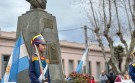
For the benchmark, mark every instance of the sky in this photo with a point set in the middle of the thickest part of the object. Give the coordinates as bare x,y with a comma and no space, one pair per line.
68,16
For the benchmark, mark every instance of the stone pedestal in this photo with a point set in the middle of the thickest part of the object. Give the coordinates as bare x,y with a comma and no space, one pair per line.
38,21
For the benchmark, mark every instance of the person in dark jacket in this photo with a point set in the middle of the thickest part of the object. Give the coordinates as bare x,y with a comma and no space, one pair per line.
38,62
132,68
111,76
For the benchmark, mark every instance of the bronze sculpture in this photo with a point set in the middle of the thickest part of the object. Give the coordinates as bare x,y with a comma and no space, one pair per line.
37,4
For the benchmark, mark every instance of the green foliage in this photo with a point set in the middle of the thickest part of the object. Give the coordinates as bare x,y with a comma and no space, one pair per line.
118,51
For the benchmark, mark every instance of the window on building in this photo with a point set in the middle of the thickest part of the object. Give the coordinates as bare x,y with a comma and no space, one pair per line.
90,67
78,62
71,66
98,67
5,59
63,65
106,67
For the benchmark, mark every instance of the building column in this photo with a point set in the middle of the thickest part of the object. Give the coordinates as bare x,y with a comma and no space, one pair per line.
66,67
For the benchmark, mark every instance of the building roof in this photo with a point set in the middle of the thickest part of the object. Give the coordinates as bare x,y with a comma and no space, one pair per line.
8,35
76,45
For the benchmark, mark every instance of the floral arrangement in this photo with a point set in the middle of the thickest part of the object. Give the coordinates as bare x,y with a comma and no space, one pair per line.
79,78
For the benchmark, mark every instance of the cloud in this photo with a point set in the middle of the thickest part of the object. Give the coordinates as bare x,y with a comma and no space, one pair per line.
10,10
67,16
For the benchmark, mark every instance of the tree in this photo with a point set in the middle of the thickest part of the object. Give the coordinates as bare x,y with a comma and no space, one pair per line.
109,20
106,29
119,54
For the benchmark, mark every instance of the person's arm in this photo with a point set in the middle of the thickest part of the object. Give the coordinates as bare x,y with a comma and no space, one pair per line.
131,73
101,78
32,76
105,78
94,81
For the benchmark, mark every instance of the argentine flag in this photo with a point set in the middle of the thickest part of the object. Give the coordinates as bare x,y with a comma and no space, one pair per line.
82,62
18,62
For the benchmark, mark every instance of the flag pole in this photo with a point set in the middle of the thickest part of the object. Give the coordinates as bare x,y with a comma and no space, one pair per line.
42,73
86,67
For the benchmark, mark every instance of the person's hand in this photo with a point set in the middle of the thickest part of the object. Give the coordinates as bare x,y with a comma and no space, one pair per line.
47,60
45,81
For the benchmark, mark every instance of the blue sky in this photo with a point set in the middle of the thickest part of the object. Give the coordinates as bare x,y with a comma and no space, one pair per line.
68,16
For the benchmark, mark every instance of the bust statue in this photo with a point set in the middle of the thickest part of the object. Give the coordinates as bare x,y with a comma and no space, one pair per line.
37,4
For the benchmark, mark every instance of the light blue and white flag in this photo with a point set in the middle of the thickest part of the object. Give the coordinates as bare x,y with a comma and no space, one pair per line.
82,63
19,61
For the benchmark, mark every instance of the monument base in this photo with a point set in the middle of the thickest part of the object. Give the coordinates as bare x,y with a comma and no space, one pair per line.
38,21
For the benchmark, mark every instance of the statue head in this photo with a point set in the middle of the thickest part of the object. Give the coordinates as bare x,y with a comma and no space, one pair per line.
37,4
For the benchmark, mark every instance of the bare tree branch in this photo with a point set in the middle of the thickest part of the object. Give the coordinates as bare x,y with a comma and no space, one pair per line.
129,25
93,12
